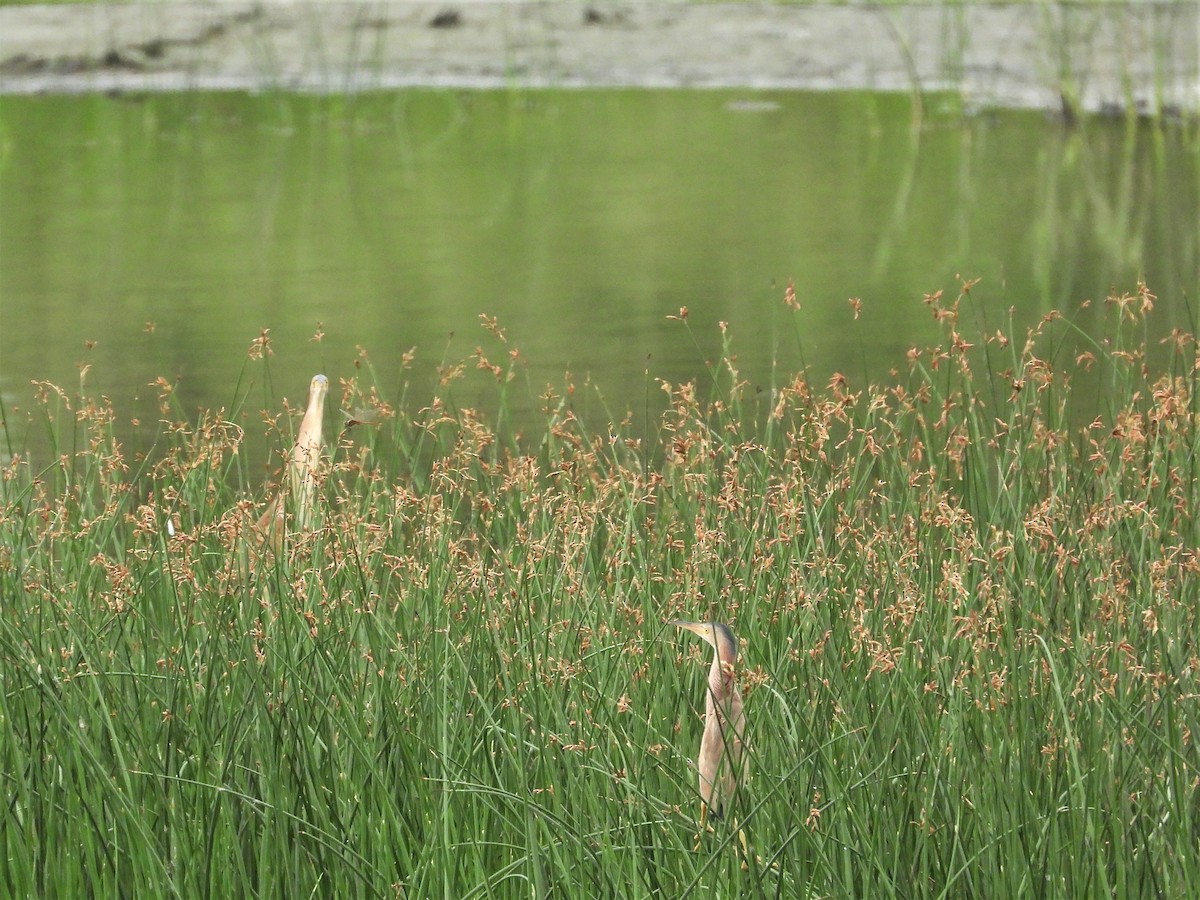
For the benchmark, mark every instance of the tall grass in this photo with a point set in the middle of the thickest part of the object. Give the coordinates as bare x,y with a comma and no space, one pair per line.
969,625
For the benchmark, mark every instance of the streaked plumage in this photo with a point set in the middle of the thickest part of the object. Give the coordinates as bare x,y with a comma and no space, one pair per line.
722,761
303,464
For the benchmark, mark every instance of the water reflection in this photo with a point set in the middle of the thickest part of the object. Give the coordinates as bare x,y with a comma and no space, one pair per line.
171,230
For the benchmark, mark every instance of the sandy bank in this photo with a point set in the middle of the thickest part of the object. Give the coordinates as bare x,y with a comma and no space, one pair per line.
1094,56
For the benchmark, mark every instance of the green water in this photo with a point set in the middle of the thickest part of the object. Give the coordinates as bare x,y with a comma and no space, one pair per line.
580,219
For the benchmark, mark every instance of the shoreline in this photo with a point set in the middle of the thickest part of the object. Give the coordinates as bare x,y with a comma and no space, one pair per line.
1065,58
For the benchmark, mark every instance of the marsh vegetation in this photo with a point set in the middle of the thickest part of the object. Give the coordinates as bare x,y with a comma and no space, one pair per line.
968,618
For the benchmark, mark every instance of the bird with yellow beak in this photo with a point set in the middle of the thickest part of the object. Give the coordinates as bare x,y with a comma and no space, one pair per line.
722,763
303,465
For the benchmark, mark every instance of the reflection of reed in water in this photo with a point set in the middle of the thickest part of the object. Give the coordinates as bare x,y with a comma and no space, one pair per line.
1109,207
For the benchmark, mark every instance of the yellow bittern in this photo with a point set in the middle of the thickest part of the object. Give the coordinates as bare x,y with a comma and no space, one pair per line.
722,763
302,468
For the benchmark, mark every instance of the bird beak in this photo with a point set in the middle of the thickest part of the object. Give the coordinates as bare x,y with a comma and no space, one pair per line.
693,627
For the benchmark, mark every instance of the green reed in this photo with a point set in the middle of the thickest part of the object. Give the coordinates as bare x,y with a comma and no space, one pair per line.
968,610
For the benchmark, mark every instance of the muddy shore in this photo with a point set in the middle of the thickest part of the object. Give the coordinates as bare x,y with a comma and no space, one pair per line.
1090,56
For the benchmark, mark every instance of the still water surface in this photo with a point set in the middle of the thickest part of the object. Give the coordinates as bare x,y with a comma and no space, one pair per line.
171,230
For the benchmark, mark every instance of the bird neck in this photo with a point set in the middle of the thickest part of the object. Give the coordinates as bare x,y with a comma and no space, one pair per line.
720,677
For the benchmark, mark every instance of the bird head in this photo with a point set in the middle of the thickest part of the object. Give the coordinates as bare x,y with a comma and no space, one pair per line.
717,634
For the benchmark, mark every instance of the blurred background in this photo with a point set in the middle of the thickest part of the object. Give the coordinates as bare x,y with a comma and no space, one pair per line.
149,234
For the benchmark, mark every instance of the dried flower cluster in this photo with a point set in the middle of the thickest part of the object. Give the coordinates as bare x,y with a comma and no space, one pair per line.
959,550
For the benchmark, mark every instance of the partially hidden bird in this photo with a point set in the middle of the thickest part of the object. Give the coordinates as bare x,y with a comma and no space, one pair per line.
722,763
302,468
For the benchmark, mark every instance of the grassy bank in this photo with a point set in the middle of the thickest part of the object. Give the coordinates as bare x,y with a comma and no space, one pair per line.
969,627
